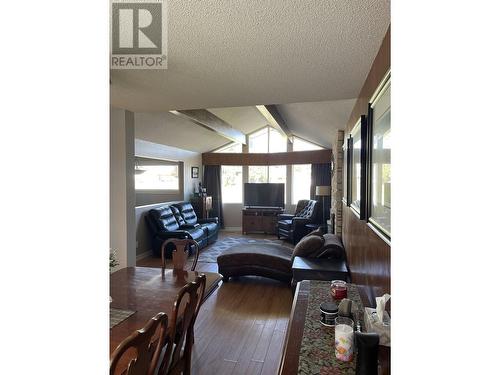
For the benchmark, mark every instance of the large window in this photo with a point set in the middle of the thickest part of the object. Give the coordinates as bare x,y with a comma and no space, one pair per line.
231,148
301,145
154,174
301,182
380,209
264,174
232,184
266,140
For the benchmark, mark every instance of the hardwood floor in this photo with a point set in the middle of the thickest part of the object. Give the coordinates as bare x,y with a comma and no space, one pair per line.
240,328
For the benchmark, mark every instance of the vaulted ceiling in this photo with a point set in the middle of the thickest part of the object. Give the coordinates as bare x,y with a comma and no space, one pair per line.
310,57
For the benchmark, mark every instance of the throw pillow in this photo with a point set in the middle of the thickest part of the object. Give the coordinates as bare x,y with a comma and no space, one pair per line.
308,246
333,248
316,232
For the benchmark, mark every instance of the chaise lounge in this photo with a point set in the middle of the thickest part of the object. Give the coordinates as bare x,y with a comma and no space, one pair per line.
316,251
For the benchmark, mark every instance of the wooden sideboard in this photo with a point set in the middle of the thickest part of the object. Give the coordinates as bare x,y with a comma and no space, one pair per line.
202,206
263,219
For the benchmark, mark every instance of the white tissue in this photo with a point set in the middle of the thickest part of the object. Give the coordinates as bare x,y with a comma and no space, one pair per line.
381,301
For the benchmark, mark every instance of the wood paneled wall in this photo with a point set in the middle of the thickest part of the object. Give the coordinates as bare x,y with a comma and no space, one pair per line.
278,158
369,256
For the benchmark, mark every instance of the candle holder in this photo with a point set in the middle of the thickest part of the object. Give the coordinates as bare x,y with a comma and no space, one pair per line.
344,339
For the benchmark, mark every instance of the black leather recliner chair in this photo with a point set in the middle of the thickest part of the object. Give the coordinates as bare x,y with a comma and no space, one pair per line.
170,222
293,227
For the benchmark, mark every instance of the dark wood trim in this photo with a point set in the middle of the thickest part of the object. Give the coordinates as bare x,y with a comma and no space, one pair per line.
295,330
368,254
210,121
278,158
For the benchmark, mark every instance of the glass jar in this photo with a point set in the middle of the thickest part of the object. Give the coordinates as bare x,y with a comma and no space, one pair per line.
338,289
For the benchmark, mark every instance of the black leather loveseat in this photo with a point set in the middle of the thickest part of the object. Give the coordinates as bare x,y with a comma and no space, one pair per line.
179,220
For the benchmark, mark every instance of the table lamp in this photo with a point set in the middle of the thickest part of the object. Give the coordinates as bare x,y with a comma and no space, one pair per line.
323,191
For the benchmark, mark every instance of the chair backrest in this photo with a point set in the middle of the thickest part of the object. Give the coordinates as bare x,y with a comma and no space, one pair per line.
308,210
146,344
162,219
300,206
177,357
181,253
187,212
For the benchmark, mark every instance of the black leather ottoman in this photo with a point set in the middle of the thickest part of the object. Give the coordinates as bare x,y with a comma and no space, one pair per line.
319,269
268,260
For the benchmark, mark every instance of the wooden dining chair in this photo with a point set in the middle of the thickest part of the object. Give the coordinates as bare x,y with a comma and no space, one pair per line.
181,253
177,357
145,346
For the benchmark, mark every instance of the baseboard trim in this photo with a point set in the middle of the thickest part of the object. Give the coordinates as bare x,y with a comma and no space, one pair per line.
144,255
231,229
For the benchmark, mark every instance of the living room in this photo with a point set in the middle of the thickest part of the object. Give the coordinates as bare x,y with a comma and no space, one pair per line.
250,184
217,187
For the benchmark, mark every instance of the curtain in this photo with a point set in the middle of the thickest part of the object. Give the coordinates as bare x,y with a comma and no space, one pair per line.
212,181
321,175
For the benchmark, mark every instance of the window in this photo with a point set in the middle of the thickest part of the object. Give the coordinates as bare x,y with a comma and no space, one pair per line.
277,174
232,183
266,140
346,194
301,182
258,173
264,174
231,148
356,168
154,174
277,141
380,149
301,145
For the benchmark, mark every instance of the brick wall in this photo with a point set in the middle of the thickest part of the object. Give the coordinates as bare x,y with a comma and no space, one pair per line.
337,182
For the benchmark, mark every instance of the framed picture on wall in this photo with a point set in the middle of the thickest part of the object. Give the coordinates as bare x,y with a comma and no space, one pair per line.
346,177
195,172
379,152
358,168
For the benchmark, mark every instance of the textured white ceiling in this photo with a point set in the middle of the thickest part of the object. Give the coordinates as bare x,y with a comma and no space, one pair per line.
246,119
249,52
314,121
318,121
171,130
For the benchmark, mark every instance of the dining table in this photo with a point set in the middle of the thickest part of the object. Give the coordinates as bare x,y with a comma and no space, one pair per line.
146,291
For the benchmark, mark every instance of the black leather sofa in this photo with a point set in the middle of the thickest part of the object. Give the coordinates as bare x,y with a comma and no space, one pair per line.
293,227
179,220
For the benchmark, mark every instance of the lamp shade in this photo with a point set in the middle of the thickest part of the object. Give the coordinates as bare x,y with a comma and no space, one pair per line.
323,191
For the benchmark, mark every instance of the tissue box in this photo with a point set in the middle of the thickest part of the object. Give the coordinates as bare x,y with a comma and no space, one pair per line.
373,324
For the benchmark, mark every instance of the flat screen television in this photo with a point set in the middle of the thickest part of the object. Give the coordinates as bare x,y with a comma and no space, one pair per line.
264,195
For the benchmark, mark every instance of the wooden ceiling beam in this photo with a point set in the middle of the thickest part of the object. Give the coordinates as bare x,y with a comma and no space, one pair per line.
272,115
208,120
278,158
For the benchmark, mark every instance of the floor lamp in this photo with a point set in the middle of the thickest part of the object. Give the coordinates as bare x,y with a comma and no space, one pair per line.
323,191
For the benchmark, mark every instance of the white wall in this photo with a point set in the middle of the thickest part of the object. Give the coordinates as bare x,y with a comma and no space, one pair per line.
189,159
122,193
155,150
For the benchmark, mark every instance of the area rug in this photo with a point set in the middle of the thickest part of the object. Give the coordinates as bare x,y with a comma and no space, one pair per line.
210,254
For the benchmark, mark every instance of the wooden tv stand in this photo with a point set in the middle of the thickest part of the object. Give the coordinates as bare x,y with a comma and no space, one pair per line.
260,219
